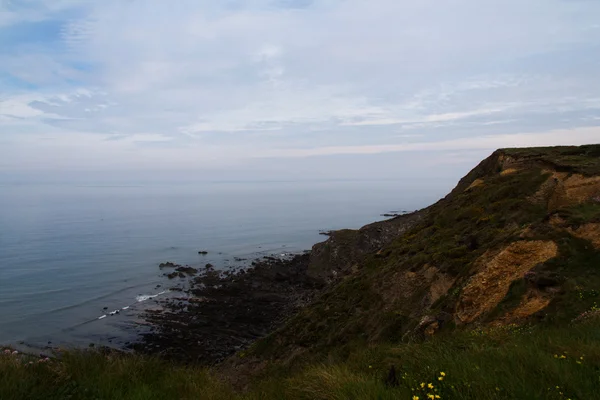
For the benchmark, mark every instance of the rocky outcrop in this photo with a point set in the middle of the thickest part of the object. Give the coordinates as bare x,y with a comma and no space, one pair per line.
344,250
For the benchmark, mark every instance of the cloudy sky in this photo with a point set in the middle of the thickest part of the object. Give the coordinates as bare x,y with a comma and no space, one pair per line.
263,88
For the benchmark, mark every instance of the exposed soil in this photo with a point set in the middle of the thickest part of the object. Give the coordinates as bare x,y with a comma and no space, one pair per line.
489,286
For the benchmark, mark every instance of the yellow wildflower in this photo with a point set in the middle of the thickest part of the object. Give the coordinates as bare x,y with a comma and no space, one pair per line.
437,396
422,384
431,396
442,373
562,357
441,378
430,385
415,398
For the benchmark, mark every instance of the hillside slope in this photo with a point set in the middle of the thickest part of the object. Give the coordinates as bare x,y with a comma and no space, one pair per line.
515,242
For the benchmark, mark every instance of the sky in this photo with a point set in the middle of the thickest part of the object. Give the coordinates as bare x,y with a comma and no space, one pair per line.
274,89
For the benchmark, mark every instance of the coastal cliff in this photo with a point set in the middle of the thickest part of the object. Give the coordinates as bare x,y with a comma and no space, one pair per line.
492,292
516,242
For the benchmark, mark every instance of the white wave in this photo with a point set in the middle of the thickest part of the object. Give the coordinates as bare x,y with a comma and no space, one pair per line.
102,317
125,308
148,296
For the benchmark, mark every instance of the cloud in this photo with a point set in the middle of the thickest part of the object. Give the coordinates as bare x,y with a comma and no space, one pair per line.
293,78
553,138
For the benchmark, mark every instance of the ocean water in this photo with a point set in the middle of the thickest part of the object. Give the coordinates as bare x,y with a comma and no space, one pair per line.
67,251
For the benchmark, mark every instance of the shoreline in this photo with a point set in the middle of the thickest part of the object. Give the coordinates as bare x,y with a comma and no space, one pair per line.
210,313
225,311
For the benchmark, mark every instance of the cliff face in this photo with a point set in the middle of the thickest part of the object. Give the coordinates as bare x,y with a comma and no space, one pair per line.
517,241
344,251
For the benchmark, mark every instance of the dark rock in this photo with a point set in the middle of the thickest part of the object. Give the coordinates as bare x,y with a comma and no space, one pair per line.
187,270
209,266
168,264
203,252
226,312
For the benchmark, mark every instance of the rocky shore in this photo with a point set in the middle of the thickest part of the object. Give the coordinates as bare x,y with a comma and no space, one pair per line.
225,311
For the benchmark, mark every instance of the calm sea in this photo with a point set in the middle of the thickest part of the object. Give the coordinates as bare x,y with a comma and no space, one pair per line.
67,251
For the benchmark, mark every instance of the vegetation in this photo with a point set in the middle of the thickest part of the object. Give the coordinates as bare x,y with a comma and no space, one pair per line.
497,363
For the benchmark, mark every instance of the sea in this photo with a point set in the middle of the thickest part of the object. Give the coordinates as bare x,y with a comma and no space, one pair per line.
72,254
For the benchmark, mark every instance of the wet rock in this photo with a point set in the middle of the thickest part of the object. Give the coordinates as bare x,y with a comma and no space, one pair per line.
203,252
187,270
168,264
226,312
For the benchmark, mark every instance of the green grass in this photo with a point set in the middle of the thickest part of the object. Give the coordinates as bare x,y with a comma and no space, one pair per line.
575,159
499,363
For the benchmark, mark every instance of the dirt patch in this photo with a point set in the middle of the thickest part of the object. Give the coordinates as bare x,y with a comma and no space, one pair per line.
476,183
488,287
508,171
589,232
557,221
548,188
573,190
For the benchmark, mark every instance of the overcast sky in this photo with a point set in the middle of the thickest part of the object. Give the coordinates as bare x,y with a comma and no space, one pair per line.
300,88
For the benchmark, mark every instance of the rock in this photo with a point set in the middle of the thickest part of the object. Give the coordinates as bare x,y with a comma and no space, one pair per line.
168,264
187,270
203,252
175,274
209,266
